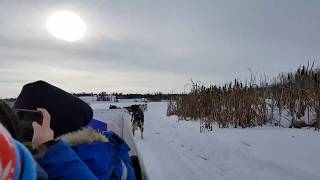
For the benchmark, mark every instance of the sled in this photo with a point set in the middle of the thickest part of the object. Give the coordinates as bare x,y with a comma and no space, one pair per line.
118,120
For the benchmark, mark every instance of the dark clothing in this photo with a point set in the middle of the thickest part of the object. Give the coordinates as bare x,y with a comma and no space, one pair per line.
10,120
68,113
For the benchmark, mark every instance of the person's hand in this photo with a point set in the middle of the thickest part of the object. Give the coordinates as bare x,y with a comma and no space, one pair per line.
42,133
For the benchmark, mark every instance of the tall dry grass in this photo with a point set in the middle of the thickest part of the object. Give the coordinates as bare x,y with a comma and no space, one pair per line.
293,97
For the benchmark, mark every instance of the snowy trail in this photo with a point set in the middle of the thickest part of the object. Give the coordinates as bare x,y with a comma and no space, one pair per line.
176,150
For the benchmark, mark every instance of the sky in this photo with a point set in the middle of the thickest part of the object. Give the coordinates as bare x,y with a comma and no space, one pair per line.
143,46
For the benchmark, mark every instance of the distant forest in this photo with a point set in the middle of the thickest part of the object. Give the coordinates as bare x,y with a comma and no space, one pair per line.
158,96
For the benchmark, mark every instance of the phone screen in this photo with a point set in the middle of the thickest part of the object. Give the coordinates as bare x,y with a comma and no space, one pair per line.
26,118
29,115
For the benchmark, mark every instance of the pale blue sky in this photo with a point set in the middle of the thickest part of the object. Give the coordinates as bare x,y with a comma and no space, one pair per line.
140,46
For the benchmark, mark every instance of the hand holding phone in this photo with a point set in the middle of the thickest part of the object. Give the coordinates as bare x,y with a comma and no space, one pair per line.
36,125
42,132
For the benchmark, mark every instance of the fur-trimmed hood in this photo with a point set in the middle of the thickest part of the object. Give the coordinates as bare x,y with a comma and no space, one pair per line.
104,153
83,136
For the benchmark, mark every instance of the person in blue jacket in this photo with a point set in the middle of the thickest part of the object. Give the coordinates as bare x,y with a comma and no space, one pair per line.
16,161
103,155
82,154
73,147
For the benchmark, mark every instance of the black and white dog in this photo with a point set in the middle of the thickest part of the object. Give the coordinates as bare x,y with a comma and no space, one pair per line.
137,118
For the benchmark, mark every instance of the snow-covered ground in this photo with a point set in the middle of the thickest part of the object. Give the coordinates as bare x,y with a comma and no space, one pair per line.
177,150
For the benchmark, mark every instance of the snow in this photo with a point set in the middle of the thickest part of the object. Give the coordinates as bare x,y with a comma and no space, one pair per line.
284,118
177,150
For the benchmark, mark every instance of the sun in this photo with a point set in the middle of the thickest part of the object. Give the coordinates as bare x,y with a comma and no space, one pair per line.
66,25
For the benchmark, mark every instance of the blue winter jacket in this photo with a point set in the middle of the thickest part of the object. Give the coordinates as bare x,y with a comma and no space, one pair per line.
98,160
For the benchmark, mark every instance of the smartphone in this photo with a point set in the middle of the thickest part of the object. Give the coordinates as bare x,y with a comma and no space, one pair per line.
26,117
30,115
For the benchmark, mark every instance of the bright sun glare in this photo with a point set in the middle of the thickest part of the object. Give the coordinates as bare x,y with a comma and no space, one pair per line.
66,25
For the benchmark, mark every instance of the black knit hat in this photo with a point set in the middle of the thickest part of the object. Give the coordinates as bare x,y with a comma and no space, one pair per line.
68,113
